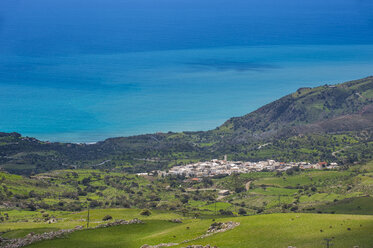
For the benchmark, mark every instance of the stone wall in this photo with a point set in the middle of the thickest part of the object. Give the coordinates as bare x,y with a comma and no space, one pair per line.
32,238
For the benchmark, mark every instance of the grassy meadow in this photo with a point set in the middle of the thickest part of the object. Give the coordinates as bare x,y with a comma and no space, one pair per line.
272,230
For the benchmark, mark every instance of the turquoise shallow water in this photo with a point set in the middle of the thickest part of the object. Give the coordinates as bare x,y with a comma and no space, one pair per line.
88,70
176,90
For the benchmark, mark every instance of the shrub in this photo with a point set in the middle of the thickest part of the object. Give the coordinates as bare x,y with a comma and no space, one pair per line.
107,217
239,189
242,211
225,212
260,210
94,204
31,206
295,208
145,212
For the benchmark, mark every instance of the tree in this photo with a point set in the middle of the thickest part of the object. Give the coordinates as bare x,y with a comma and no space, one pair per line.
290,172
86,181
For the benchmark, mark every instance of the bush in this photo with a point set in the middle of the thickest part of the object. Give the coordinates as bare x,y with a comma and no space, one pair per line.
107,217
290,172
239,189
31,206
294,208
260,210
94,204
225,212
242,211
145,212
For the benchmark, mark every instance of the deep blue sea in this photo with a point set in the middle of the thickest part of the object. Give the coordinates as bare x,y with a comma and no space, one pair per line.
86,70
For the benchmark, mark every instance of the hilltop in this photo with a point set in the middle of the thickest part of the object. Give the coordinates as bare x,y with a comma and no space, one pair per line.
328,123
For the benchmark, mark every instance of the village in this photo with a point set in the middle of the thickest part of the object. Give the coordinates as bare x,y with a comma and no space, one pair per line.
224,167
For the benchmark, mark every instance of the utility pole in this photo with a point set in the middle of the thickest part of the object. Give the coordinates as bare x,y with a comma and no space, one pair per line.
87,215
328,244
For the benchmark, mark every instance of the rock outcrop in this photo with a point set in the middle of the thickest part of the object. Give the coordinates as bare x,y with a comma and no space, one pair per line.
159,245
215,227
120,222
172,244
176,221
222,227
200,246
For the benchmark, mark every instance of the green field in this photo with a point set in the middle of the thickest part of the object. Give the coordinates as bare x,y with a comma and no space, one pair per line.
274,230
65,220
358,205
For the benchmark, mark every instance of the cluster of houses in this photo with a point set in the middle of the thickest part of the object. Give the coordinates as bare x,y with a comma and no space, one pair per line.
219,167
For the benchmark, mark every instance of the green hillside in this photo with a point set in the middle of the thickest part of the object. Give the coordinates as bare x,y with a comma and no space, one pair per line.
324,107
303,191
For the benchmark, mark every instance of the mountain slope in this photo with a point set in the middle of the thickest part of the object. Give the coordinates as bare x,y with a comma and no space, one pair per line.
329,108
